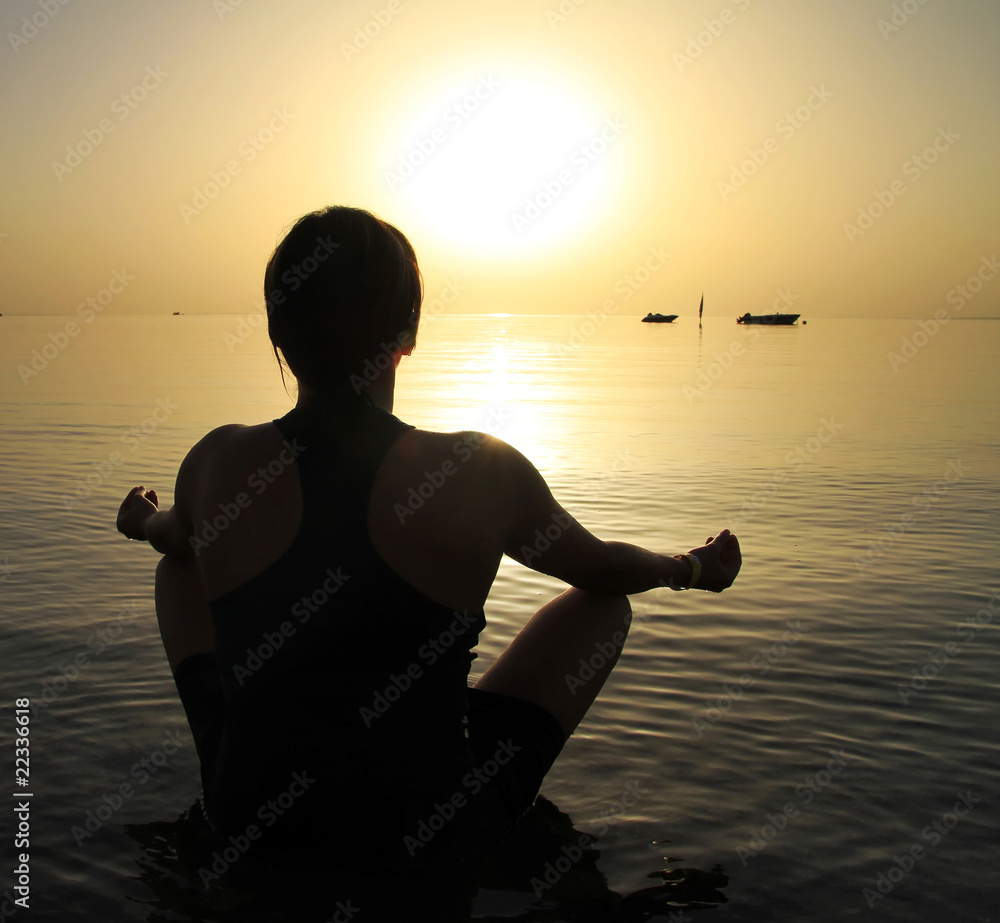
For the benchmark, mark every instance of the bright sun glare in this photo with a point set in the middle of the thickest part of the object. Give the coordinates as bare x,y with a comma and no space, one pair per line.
503,162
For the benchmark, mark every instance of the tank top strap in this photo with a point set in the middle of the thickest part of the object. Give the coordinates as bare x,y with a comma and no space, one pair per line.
338,452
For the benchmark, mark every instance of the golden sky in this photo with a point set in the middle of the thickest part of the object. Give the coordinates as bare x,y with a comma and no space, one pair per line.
838,157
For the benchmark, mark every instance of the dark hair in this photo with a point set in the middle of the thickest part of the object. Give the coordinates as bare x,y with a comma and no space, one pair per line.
343,290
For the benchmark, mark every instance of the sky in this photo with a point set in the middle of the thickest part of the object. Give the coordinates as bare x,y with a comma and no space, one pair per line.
833,158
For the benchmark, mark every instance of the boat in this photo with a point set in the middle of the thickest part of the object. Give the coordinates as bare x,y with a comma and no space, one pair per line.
659,318
777,320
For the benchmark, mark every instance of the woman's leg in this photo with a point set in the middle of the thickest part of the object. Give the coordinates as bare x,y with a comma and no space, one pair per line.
182,610
562,657
186,629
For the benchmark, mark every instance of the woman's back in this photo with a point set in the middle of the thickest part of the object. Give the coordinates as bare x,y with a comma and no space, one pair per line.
359,675
437,512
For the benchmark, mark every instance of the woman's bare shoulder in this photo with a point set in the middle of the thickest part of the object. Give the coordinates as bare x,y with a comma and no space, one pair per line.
232,450
460,449
488,476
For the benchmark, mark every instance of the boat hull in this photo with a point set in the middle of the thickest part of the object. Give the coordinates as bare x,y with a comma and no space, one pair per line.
773,320
660,319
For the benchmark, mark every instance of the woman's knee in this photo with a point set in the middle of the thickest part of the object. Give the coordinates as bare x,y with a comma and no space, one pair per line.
177,581
599,607
622,608
182,611
170,569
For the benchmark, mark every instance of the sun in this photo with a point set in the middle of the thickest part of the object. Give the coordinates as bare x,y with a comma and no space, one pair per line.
502,161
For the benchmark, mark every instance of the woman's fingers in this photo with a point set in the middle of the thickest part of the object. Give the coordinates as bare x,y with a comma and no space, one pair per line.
731,556
149,495
127,502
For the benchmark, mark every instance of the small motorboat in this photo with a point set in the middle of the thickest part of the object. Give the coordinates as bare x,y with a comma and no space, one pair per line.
780,320
659,318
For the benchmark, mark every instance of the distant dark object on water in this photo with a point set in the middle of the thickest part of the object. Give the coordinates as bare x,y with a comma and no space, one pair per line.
659,318
176,313
782,320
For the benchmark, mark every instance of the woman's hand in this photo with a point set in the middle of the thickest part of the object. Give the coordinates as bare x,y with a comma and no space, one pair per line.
136,508
720,562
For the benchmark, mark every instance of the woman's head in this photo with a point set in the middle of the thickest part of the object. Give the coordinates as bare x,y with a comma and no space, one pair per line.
343,294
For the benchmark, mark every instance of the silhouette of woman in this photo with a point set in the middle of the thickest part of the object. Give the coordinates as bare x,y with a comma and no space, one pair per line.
323,580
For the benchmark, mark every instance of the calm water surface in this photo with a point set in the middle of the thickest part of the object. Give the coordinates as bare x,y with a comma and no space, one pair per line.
828,725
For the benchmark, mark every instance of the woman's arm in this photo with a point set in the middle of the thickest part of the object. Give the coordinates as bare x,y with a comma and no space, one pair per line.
140,518
543,536
170,531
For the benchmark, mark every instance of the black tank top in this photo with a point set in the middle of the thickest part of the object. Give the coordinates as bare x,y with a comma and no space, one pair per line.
345,687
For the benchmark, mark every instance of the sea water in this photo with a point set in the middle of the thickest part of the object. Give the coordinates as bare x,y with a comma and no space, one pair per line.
824,734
